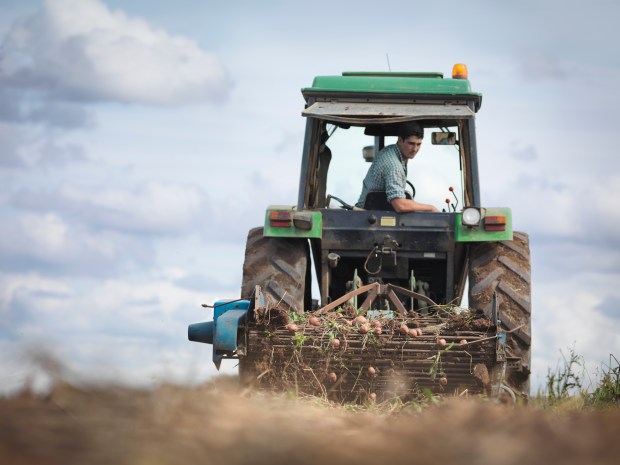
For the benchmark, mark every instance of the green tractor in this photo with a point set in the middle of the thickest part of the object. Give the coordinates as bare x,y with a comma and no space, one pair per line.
385,318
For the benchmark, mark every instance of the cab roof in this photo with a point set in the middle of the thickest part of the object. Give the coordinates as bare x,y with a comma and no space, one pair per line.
394,85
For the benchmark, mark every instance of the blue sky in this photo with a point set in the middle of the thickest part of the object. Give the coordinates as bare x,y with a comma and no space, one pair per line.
141,140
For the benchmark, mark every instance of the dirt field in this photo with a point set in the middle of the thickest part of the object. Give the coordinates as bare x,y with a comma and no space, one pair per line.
218,424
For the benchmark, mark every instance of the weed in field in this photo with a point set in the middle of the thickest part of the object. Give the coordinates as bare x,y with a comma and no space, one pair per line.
607,393
567,378
566,386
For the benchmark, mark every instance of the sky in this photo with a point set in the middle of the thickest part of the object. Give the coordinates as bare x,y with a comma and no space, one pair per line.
141,140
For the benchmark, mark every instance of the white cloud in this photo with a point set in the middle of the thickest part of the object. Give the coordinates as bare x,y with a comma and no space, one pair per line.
81,50
11,141
158,296
48,232
14,285
581,208
49,242
97,231
153,208
24,148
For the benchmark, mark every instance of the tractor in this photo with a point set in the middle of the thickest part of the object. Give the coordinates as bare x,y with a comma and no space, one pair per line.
357,302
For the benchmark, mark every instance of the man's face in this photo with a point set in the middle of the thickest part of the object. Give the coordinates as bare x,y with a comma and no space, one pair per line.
409,147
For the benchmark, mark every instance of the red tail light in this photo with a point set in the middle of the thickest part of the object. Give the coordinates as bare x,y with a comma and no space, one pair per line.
495,223
280,219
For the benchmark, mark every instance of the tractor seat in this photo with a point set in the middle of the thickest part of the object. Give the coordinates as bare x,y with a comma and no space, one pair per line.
377,200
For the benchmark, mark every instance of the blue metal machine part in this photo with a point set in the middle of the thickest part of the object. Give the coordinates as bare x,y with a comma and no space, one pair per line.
222,331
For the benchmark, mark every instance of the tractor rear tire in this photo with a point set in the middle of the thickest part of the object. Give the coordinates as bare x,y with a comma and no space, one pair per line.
504,268
281,266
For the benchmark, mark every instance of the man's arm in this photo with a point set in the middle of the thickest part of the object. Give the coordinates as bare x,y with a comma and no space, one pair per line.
395,182
407,205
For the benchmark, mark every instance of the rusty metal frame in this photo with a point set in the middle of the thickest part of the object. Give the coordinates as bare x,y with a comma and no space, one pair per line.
375,291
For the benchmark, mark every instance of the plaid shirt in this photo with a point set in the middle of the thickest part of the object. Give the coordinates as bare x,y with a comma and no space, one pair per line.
388,173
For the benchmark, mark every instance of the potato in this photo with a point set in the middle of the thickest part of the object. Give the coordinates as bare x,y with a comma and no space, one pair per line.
314,321
335,343
372,371
441,342
292,327
332,377
404,329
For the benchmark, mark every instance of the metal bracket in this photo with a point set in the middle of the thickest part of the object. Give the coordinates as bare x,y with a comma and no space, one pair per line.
226,328
375,291
389,248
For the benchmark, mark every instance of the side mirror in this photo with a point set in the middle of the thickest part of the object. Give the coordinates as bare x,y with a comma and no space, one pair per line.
443,138
368,153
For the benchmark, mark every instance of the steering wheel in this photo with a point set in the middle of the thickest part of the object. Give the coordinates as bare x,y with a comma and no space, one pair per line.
343,204
412,190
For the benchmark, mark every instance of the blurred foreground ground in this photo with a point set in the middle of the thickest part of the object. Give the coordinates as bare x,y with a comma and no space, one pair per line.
219,424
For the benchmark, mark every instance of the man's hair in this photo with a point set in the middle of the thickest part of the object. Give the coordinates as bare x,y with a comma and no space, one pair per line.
409,129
